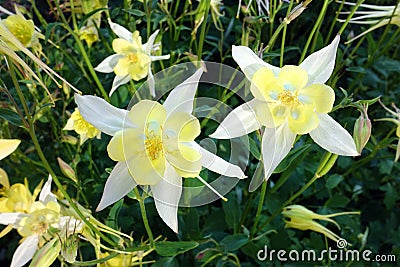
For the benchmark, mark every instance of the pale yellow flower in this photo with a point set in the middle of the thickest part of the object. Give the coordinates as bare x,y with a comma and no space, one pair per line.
288,101
132,60
154,145
85,130
23,30
37,226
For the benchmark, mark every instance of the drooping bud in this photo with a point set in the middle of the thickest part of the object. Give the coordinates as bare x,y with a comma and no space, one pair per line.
299,217
67,170
362,130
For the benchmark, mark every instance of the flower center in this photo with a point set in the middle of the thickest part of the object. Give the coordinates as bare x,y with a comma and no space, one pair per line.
40,226
154,145
132,58
288,99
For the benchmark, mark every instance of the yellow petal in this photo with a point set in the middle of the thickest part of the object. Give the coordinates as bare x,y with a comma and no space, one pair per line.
122,66
122,46
185,160
303,120
293,78
185,126
320,95
279,114
19,198
7,146
126,144
262,87
147,111
4,179
146,171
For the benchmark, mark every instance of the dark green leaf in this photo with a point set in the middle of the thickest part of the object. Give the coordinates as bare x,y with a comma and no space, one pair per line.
10,116
169,248
234,242
333,181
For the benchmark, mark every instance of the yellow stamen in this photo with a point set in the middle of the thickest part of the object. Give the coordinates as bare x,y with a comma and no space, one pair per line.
288,99
154,145
132,58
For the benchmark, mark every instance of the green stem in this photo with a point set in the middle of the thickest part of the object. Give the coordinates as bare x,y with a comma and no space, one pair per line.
46,164
144,215
259,208
350,16
203,31
314,29
83,52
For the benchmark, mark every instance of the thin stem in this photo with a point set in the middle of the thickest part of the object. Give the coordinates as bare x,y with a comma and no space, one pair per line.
314,29
140,198
202,32
350,16
259,208
83,52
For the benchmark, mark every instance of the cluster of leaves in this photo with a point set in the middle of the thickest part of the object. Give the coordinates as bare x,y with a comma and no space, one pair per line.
219,233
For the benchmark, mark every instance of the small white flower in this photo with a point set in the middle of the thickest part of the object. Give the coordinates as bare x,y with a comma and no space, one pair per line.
132,60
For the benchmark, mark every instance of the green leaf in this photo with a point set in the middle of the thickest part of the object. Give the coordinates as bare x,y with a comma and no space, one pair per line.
333,181
292,156
166,262
234,242
169,248
254,149
10,116
390,196
232,212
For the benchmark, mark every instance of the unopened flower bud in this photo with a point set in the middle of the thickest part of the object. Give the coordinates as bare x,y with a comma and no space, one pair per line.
362,130
67,170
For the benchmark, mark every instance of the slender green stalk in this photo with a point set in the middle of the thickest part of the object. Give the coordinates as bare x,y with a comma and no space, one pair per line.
259,208
83,52
42,157
141,198
314,29
147,10
284,35
203,31
350,16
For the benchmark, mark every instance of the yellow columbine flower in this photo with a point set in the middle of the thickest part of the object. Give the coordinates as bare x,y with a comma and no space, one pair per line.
380,15
288,101
89,32
299,217
22,29
42,221
395,120
154,145
291,99
85,130
132,60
